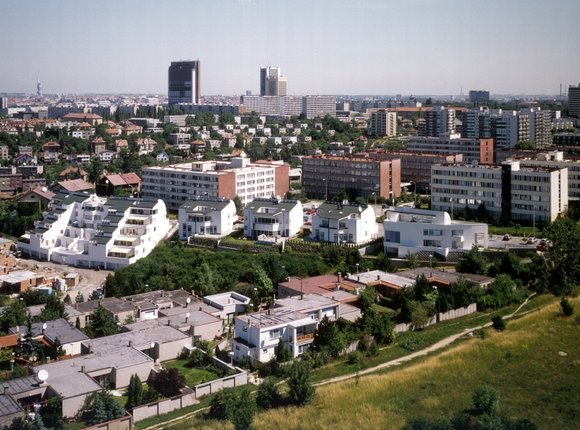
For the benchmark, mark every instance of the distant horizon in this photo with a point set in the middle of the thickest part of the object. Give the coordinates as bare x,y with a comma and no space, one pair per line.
322,47
402,96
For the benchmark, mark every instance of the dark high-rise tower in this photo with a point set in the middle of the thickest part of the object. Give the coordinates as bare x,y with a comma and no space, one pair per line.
183,82
272,83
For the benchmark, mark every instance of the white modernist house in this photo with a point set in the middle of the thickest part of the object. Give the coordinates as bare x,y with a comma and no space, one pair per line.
410,230
272,218
294,320
350,223
206,216
88,231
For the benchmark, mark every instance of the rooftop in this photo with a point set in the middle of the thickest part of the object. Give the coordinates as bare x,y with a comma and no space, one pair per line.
274,317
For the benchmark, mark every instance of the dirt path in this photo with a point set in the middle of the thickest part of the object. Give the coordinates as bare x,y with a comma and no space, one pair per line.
436,346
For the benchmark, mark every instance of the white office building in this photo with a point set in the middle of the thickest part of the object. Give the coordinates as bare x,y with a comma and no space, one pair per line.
408,231
507,191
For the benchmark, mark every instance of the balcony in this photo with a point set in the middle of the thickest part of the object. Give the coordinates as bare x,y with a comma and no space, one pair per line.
301,338
274,228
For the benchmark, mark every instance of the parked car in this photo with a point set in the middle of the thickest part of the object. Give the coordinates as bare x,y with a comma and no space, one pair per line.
506,237
531,240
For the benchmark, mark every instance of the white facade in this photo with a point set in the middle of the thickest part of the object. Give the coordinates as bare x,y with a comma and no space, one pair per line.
206,217
177,183
413,230
555,159
257,335
272,218
229,304
507,191
89,231
383,123
294,320
340,223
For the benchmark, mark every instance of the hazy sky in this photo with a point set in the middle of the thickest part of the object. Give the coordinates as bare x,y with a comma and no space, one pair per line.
322,47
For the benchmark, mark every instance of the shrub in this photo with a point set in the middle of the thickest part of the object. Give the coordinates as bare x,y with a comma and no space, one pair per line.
301,390
498,323
267,396
486,400
567,308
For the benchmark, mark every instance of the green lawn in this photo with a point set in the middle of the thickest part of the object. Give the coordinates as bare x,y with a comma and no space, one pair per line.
533,365
192,376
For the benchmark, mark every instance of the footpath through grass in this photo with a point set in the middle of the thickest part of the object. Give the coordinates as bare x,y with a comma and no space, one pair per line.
533,365
409,342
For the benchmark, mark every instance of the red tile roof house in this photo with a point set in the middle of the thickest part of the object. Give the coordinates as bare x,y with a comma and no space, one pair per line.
73,185
109,183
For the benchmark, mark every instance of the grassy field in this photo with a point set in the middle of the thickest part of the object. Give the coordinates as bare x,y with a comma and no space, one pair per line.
524,364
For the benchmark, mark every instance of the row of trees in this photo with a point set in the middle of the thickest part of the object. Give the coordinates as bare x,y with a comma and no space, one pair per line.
556,271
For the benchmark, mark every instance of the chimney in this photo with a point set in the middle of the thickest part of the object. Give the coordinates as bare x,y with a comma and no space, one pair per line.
339,276
83,369
378,277
130,343
6,389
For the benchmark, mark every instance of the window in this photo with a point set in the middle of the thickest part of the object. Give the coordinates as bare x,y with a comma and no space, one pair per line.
275,334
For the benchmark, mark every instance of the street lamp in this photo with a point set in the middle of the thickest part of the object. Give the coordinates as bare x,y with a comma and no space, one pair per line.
357,268
431,261
375,196
325,189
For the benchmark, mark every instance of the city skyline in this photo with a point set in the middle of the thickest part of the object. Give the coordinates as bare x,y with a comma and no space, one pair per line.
324,47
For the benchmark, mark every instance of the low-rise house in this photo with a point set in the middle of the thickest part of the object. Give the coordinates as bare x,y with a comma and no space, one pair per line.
198,323
107,156
206,216
75,379
296,286
160,342
230,304
293,322
344,223
19,281
38,197
387,284
69,338
409,231
51,152
257,335
73,186
121,310
272,218
109,184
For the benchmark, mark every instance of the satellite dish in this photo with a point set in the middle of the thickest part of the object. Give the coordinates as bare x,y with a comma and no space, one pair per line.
42,375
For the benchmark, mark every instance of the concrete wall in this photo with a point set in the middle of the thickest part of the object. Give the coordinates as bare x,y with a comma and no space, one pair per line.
207,331
219,384
459,312
443,316
163,406
123,423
